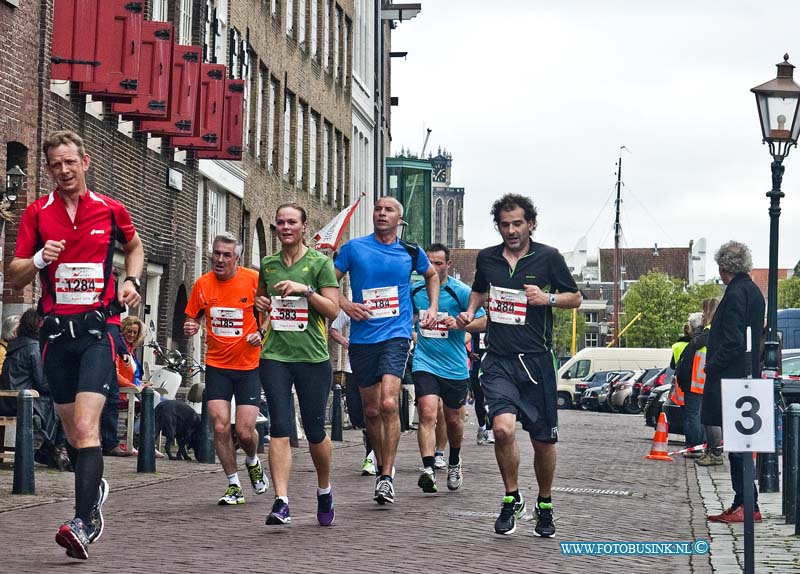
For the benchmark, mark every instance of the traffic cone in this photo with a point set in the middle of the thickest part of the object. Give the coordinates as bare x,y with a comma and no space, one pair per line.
659,449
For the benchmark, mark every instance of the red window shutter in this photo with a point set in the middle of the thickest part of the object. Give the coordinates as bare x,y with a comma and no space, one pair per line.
184,95
232,124
209,113
155,64
118,50
74,37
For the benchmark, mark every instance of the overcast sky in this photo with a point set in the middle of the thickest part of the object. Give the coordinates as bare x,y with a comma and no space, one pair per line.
538,96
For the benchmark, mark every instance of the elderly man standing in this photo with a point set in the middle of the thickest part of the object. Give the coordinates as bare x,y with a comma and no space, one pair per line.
741,308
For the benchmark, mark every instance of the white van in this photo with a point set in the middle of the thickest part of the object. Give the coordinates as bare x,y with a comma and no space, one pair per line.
593,359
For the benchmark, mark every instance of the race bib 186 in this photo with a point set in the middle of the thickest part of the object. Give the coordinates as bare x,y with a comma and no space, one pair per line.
289,313
382,301
439,330
507,306
227,321
79,283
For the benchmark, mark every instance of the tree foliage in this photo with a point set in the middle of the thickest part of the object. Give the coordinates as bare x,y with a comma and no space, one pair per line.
562,331
665,305
789,292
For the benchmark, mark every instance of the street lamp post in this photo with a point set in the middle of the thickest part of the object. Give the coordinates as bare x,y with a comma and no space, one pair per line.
778,103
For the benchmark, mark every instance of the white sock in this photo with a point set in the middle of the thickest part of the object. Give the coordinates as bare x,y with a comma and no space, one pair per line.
285,499
371,456
251,460
483,428
321,491
234,479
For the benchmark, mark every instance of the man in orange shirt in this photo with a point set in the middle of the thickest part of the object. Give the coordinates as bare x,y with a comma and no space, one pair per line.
226,296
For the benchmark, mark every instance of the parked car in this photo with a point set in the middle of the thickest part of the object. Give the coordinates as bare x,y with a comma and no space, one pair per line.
623,397
657,380
789,327
593,359
674,412
790,374
589,398
594,398
655,401
589,381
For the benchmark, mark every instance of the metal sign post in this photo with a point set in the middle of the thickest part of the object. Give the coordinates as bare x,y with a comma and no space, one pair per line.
748,426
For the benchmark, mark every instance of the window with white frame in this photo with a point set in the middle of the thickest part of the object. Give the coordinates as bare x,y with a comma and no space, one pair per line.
314,19
591,339
300,143
272,123
287,135
590,316
337,145
185,28
301,21
260,111
217,212
326,37
248,97
290,18
344,195
336,35
158,10
438,213
451,225
348,28
326,157
312,153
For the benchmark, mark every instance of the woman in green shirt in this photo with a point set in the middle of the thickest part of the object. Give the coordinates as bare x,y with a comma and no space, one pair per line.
297,290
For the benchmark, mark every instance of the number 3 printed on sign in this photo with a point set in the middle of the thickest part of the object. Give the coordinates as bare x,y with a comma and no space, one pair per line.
749,413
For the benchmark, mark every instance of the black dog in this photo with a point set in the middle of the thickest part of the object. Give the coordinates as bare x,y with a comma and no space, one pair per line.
177,421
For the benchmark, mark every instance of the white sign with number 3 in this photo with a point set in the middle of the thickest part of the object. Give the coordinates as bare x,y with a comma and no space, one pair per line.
748,415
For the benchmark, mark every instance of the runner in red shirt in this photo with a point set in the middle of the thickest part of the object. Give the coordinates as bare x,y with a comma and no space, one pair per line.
68,237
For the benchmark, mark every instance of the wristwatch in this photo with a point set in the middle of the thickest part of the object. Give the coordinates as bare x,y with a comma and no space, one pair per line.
310,291
552,299
135,281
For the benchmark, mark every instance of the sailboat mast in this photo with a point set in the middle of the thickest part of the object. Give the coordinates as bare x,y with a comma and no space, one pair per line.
617,233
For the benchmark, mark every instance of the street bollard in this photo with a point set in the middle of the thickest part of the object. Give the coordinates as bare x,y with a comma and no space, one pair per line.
404,397
205,444
294,441
791,457
336,415
24,480
146,461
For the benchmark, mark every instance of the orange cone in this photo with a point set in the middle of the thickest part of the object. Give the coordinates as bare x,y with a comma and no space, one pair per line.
659,449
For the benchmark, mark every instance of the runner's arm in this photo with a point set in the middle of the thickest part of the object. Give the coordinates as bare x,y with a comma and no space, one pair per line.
21,271
428,318
476,301
356,311
134,263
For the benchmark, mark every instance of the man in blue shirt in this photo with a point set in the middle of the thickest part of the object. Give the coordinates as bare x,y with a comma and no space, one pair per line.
380,266
441,368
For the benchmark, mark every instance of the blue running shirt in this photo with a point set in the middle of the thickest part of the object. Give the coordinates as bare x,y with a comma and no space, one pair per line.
443,356
373,265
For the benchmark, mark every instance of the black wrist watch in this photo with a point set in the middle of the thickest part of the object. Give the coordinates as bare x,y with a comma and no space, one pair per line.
310,291
135,281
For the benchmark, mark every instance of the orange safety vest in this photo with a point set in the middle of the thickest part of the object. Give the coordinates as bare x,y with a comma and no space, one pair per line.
677,394
699,371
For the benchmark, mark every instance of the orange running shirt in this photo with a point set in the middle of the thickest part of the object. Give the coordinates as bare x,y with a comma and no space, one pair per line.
228,308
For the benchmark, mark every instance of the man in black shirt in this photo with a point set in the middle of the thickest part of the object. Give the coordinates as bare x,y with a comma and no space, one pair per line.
522,280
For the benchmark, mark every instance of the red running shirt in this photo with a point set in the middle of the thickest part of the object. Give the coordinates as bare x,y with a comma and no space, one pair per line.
81,278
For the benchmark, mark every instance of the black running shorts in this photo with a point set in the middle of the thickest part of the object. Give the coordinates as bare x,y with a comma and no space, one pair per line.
524,385
452,391
223,384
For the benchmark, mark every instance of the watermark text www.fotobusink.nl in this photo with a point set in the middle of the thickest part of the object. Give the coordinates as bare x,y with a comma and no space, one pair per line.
699,546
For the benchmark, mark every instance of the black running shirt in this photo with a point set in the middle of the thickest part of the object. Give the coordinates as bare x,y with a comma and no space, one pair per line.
544,267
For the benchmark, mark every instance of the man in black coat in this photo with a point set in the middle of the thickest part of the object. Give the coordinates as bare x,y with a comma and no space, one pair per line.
740,315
